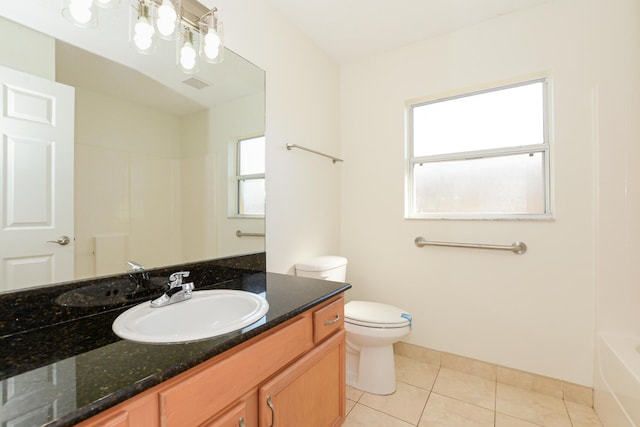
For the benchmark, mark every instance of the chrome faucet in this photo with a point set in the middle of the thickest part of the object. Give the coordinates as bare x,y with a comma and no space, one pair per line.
138,276
177,292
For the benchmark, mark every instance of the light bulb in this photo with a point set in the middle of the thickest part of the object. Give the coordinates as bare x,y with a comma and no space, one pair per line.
165,27
143,33
212,39
187,56
143,28
166,11
212,51
80,11
142,42
167,16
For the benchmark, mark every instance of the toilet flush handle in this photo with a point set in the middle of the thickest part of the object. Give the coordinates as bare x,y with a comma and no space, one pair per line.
324,276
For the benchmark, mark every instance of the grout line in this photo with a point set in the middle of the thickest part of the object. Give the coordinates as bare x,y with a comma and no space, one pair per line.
495,402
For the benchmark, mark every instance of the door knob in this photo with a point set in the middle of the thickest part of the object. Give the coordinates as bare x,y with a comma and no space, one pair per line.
62,241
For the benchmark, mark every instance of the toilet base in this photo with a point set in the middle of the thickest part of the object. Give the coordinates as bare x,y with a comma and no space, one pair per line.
371,369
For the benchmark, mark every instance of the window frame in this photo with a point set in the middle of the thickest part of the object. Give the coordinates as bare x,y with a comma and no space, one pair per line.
236,178
544,148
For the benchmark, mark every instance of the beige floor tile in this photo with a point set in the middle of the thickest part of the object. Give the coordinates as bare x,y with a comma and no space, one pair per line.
419,374
531,406
363,416
350,405
582,416
406,403
354,394
442,411
503,420
468,388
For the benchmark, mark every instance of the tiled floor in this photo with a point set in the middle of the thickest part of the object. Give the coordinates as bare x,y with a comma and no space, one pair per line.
430,396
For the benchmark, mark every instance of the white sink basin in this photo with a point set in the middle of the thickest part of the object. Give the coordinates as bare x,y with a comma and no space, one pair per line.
207,314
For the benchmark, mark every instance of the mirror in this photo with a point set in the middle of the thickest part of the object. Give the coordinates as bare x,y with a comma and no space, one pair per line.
155,150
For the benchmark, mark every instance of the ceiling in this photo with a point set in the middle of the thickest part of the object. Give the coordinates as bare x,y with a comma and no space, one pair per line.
353,29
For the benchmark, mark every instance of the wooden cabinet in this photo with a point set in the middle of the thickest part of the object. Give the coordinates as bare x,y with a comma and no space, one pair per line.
299,365
139,411
210,387
310,392
234,417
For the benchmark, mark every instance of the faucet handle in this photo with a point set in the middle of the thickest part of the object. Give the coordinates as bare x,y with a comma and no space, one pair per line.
135,266
176,278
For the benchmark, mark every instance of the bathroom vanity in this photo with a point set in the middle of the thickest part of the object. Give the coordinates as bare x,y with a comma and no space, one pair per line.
288,367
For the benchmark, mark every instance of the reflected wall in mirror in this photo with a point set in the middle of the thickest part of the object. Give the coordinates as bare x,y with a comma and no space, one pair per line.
154,153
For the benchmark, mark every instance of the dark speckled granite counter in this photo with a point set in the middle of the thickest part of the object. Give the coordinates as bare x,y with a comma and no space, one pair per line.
80,362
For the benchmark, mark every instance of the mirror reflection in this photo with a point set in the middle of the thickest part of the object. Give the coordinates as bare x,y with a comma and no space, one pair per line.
162,168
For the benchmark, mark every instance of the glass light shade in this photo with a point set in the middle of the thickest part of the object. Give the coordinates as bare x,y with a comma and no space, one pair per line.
168,19
82,13
187,52
141,31
212,43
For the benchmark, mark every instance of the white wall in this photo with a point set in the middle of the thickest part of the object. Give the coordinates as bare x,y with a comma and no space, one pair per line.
532,312
303,190
26,40
618,174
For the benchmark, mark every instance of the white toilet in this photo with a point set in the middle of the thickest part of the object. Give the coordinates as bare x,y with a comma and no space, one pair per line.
371,328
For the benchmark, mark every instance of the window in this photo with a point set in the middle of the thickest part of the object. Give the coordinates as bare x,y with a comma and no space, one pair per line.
480,155
249,178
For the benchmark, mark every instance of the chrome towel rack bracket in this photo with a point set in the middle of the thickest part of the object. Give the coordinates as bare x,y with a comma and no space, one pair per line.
516,247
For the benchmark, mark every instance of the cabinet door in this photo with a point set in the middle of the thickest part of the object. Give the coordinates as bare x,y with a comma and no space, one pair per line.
309,393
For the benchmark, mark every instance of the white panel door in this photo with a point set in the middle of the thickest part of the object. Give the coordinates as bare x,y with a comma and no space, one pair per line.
36,180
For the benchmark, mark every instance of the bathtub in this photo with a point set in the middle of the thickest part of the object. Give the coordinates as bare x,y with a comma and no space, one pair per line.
617,380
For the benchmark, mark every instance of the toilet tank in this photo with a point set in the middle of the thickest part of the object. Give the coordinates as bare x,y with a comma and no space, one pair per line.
332,268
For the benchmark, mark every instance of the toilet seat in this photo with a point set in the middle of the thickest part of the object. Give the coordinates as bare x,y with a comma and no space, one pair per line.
375,315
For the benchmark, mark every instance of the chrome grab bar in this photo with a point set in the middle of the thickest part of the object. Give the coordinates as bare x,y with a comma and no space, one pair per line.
517,247
239,233
334,159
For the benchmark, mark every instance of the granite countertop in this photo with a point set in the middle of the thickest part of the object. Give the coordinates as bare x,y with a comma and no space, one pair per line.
83,367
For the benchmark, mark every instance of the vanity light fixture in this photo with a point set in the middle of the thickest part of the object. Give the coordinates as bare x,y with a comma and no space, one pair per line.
198,30
141,31
211,47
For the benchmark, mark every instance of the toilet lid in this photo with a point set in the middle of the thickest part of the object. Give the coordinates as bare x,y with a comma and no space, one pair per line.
374,314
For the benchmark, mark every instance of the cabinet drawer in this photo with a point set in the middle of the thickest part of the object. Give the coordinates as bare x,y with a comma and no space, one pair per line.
328,320
139,411
192,400
234,417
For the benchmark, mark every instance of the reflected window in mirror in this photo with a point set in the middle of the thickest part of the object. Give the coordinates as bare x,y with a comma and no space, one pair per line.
250,177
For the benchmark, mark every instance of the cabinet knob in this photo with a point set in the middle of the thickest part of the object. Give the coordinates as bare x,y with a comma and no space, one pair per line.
241,422
273,411
331,322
